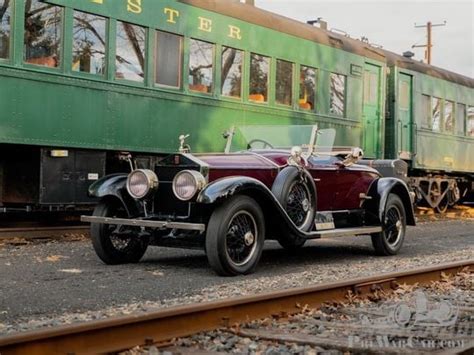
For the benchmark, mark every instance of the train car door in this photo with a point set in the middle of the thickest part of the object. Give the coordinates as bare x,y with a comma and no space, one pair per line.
405,117
372,111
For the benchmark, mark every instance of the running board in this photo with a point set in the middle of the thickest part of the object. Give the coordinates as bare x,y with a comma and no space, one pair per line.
344,232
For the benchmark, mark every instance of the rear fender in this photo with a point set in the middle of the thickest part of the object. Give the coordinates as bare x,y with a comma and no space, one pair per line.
379,192
115,186
223,189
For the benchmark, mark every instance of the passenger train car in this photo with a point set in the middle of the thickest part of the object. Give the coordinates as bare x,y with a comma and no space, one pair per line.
86,83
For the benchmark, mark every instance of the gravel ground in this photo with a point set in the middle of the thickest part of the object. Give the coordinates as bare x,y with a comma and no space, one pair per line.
413,320
56,283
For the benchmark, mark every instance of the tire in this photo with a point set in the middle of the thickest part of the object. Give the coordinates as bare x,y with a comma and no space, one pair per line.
239,222
113,249
390,240
282,188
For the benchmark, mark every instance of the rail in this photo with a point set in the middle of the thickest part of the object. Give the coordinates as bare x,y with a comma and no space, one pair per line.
121,333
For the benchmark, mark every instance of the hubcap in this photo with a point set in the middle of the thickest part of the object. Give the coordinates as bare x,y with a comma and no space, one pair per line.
298,205
241,238
249,238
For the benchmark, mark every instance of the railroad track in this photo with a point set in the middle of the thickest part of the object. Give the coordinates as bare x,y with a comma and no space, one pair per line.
41,232
122,333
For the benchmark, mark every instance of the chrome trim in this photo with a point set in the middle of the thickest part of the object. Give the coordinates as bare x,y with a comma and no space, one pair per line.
344,232
144,223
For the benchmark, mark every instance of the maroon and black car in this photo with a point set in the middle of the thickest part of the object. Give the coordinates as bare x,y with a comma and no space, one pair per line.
286,183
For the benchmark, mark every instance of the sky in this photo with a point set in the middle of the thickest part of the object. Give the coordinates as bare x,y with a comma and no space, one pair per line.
391,23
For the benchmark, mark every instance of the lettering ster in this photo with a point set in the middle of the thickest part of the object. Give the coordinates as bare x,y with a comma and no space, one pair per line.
205,24
134,6
172,14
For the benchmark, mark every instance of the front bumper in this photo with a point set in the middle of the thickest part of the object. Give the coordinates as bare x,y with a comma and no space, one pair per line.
144,223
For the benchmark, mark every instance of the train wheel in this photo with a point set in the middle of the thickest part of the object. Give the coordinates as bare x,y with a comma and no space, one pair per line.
235,237
116,244
390,240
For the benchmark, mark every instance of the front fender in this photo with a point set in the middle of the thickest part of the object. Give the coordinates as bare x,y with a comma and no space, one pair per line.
379,192
222,189
115,186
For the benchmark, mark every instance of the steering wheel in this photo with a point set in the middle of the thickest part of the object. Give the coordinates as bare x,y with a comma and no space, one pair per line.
265,144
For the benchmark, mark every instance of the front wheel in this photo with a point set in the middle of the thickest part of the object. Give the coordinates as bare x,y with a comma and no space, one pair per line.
390,240
116,244
235,237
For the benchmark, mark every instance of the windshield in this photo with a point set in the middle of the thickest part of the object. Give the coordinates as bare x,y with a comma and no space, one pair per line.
281,137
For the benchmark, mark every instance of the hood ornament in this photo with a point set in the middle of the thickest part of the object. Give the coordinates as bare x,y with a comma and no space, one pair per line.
183,147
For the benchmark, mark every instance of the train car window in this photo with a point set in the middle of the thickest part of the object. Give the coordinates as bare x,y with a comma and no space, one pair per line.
201,66
43,33
231,74
259,70
404,95
307,97
460,119
470,121
436,114
5,28
168,60
89,43
448,116
130,52
338,94
426,111
284,82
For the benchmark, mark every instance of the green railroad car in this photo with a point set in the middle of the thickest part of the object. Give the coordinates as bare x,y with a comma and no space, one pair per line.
85,82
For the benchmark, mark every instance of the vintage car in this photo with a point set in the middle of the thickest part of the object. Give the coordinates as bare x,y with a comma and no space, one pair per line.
272,182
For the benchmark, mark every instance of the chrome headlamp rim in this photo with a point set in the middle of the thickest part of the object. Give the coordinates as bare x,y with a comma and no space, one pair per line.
152,183
199,183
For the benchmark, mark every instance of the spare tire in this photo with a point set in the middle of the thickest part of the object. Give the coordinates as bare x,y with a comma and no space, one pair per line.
295,190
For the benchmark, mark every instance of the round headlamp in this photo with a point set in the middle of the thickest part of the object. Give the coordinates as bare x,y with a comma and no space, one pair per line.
187,183
142,183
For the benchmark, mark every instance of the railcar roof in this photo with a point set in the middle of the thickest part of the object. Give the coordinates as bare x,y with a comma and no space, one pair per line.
299,29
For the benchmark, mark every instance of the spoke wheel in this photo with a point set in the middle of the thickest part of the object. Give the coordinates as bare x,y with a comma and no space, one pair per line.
298,203
116,244
235,236
241,237
296,192
390,240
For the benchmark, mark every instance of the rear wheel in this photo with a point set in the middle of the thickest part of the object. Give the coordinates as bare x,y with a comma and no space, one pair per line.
235,236
116,244
297,194
390,240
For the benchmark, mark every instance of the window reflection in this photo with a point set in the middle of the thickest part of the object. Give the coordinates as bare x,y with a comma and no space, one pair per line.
201,66
5,27
307,88
130,53
231,72
284,83
426,111
470,121
404,95
89,37
460,118
338,94
259,69
168,59
43,24
436,114
448,117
